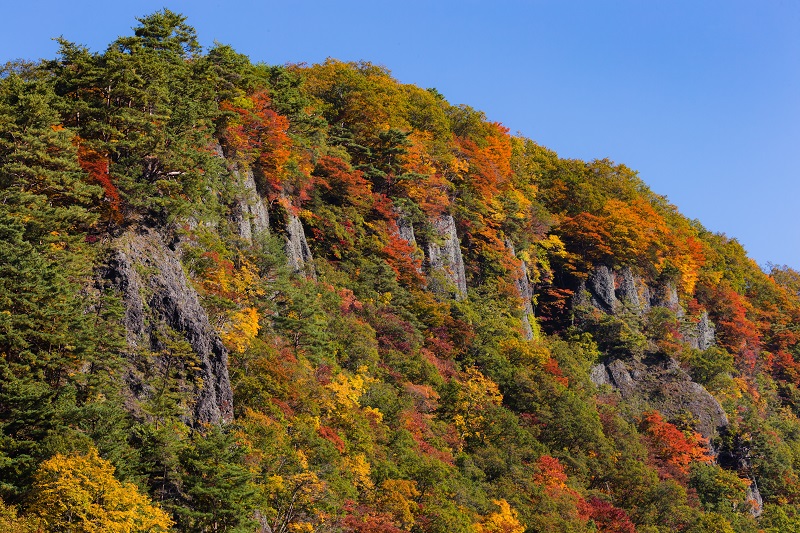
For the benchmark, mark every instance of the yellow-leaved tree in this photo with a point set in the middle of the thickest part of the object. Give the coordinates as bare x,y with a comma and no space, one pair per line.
476,396
504,520
240,330
79,493
11,522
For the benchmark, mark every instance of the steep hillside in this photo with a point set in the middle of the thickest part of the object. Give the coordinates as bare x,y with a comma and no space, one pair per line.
239,297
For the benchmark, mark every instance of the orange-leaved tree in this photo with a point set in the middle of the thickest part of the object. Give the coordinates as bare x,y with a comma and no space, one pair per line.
671,450
258,136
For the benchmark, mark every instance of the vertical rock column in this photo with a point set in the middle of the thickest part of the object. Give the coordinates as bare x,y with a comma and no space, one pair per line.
405,230
632,291
602,287
445,259
249,212
298,253
700,335
525,292
667,296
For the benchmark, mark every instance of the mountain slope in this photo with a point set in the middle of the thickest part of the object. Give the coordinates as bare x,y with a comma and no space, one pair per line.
311,298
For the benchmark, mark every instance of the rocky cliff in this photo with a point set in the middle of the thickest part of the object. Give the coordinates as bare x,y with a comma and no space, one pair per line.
525,289
298,252
160,306
445,262
412,302
249,212
656,381
651,379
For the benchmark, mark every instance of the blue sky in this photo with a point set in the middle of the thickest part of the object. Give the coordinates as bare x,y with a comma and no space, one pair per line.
702,98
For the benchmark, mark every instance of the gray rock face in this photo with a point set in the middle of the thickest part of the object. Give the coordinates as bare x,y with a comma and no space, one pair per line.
706,332
700,335
610,291
297,251
658,382
155,289
614,291
667,296
621,378
218,150
632,291
249,213
602,286
754,499
599,375
627,292
445,259
523,284
405,230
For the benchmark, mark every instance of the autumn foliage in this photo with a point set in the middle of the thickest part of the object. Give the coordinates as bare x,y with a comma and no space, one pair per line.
80,493
96,165
258,135
671,450
365,398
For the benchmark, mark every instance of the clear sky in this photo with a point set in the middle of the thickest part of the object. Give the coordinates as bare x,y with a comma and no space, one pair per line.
701,97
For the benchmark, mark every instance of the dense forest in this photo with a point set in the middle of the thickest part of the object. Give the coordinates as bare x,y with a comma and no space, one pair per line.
254,298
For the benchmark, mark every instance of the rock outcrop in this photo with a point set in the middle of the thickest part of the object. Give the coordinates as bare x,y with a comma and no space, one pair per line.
656,381
445,260
298,253
754,499
405,229
667,296
611,291
601,286
523,284
632,291
700,335
249,213
157,296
